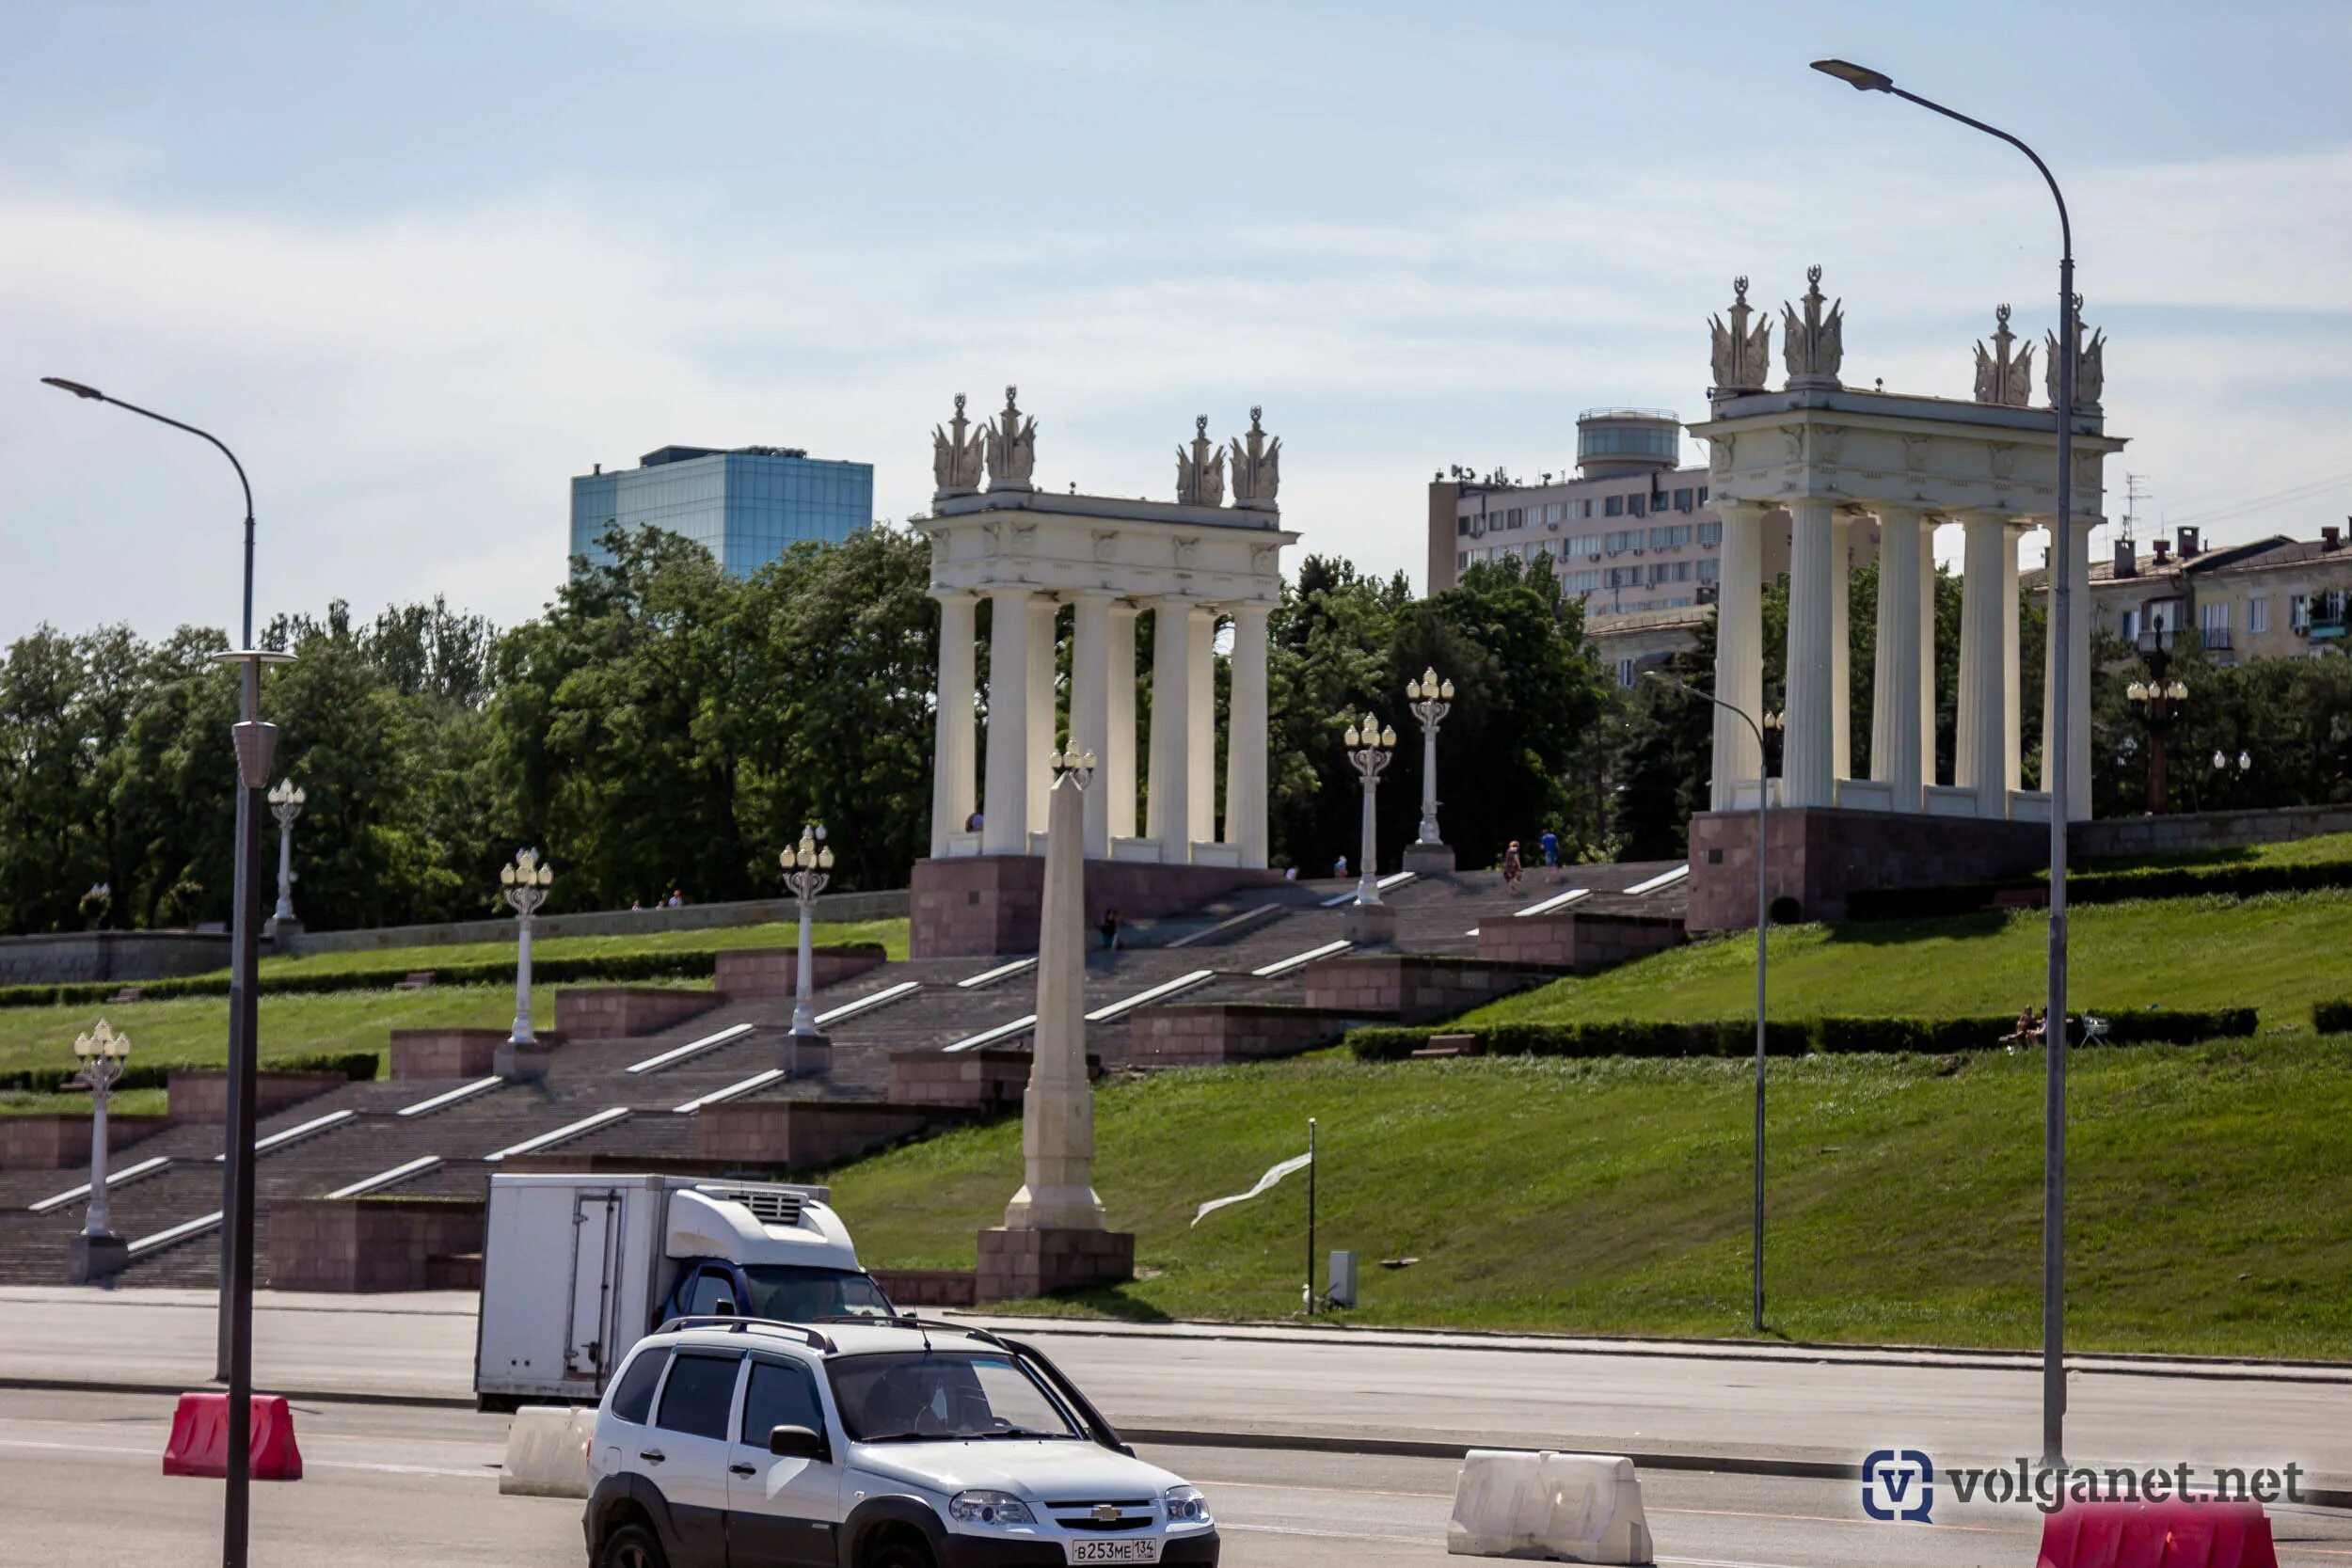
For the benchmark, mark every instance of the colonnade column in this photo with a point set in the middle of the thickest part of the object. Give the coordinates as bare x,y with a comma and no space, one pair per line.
1809,752
1004,807
1168,817
1894,687
2012,736
1980,748
1117,785
2076,560
1841,644
1201,724
1926,653
1090,677
1044,613
951,749
1246,737
1739,651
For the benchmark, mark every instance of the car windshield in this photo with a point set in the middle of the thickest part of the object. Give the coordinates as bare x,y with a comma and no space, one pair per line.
942,1395
791,1293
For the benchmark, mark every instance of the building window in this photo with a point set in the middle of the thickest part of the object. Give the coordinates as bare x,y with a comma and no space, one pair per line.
1682,500
1710,534
2258,615
2299,611
1625,671
1461,526
1710,571
1701,494
1516,517
1638,505
2131,625
1461,560
1613,507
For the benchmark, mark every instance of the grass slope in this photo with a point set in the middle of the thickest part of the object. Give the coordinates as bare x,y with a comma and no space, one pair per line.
2275,952
891,934
2210,1195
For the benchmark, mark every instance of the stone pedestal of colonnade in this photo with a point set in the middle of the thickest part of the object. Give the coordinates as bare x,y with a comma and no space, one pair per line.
1820,459
1196,566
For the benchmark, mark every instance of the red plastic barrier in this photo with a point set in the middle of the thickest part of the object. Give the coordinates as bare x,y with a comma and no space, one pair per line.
199,1438
2159,1535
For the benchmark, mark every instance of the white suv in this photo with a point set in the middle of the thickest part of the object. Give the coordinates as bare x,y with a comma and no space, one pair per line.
897,1443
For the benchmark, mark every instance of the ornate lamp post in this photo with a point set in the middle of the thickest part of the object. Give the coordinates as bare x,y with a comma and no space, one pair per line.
1370,750
1432,700
807,868
2157,702
524,885
98,1252
285,803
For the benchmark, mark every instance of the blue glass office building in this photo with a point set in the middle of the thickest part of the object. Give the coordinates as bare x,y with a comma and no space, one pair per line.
746,506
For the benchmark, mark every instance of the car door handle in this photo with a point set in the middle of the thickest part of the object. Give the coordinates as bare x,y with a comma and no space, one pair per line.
652,1456
742,1470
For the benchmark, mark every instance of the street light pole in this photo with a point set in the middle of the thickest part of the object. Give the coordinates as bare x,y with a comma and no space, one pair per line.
285,803
807,868
1370,748
2056,1030
524,885
98,1253
1430,701
255,745
1763,919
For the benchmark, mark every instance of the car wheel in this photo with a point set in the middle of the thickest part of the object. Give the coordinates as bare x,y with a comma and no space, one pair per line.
631,1546
901,1551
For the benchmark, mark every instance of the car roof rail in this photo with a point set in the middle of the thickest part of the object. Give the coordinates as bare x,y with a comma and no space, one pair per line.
910,1320
735,1324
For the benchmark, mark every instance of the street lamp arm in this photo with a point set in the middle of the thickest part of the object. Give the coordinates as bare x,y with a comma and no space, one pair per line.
2066,227
1732,708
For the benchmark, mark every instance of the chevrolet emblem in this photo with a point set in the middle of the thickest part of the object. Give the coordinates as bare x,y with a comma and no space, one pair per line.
1106,1514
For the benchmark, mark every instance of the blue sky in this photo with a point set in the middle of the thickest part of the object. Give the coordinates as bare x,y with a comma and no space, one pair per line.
419,263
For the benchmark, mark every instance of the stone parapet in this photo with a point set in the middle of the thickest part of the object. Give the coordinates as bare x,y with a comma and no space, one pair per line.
201,1096
81,957
1415,989
1215,1034
2176,833
985,905
626,1013
772,972
445,1053
802,1135
1583,940
62,1141
1819,855
371,1243
1020,1265
986,1080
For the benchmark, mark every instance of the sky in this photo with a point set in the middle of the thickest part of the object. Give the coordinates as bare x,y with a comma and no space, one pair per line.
421,264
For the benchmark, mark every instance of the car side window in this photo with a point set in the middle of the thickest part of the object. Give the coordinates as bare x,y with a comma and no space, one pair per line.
782,1394
711,1286
632,1401
699,1395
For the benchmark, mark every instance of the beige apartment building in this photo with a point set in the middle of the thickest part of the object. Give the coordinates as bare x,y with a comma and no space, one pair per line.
1629,533
2270,598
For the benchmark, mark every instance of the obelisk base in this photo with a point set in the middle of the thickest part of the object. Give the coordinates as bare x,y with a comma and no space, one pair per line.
1020,1264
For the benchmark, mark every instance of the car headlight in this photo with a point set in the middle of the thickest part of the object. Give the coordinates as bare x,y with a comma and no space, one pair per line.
1186,1506
989,1508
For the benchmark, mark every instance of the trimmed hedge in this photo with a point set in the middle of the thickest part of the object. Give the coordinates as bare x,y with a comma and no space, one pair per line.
1735,1037
684,964
2333,1018
358,1066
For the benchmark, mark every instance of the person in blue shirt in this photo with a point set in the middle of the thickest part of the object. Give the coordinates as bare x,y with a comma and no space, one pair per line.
1551,841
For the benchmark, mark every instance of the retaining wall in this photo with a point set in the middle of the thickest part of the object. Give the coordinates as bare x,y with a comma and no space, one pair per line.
201,1096
886,904
804,1134
81,957
372,1243
445,1053
772,972
1406,988
625,1012
1581,940
2203,830
61,1141
1213,1033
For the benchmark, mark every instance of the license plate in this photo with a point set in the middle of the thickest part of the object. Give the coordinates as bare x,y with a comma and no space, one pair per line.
1144,1549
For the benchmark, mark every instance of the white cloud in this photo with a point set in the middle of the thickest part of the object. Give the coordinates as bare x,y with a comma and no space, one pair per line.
411,391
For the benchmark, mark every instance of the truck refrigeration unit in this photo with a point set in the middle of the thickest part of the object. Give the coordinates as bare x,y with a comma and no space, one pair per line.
577,1269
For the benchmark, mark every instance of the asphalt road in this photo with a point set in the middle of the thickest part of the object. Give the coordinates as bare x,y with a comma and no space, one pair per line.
81,1486
1432,1388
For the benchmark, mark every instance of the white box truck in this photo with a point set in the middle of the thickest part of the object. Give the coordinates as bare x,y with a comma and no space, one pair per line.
577,1269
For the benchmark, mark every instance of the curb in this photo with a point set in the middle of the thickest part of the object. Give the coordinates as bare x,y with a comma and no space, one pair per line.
173,1390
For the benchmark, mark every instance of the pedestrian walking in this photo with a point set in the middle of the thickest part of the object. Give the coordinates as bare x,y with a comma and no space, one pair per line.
1549,844
1511,867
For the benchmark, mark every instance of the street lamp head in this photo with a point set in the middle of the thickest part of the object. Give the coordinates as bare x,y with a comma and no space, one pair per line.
75,387
825,860
2220,760
1354,738
1388,737
2137,692
1859,77
103,1043
1446,691
2177,691
2246,762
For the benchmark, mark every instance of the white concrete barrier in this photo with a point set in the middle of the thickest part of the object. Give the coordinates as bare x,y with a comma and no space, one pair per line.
1549,1507
547,1451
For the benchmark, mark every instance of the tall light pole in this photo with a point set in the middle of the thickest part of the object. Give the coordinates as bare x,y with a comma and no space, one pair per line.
1763,919
807,868
98,1253
2061,746
285,803
524,885
256,744
1431,699
1370,750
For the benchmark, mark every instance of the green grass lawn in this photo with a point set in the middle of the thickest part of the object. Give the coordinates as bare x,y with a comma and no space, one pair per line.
891,934
123,1103
2211,1193
2326,849
195,1029
2276,952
